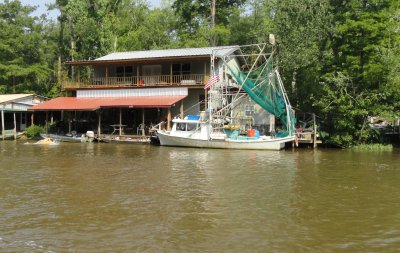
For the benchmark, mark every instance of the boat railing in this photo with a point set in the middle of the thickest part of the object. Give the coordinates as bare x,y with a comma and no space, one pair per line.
157,127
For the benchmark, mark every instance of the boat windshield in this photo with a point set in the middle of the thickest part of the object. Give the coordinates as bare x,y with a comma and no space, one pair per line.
186,126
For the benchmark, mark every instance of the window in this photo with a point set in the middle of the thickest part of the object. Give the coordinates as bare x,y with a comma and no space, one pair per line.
186,126
185,68
176,69
181,126
128,71
191,127
181,69
124,71
249,110
120,71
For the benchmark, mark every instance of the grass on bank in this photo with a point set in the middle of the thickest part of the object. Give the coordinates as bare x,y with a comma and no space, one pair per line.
373,147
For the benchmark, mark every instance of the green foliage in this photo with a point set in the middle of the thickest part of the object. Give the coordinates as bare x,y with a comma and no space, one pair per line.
339,59
346,111
34,131
359,80
373,147
26,50
195,16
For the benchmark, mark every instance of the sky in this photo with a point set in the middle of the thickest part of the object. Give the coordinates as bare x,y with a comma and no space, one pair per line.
53,14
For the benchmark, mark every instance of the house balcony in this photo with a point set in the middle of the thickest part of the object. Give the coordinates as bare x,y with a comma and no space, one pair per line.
136,81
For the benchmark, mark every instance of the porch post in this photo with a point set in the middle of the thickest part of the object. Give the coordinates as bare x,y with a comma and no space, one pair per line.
2,124
15,127
46,122
205,73
76,119
51,118
169,119
62,115
33,118
170,74
143,128
106,75
205,100
69,122
181,109
120,121
137,74
99,125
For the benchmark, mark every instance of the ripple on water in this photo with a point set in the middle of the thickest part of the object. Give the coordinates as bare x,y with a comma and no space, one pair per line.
123,198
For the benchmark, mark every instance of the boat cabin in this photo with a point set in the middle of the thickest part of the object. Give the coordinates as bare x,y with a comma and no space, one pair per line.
192,126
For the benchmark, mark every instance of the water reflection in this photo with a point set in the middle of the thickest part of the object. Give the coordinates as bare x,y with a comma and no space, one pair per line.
344,202
123,198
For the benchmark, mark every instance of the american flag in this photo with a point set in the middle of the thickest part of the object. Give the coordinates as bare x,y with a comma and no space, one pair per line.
213,80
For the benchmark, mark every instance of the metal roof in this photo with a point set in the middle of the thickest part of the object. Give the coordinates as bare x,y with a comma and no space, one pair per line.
91,104
166,53
12,97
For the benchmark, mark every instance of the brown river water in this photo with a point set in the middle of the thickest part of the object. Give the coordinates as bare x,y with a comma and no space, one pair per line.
78,197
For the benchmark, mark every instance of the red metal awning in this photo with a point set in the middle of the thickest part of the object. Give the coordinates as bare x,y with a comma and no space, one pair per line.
91,104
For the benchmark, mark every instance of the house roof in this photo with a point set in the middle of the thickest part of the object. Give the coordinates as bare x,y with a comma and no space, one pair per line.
12,97
91,104
162,54
182,52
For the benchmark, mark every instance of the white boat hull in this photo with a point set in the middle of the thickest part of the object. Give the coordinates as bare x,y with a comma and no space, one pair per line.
262,144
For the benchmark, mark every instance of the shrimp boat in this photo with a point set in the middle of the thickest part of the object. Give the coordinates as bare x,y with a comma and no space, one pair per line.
245,87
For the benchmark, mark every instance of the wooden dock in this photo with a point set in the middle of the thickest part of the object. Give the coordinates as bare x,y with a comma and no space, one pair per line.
308,137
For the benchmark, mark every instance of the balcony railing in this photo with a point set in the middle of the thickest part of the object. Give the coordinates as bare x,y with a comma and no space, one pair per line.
161,80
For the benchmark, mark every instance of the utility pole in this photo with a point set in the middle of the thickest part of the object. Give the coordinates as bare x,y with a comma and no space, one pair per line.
212,24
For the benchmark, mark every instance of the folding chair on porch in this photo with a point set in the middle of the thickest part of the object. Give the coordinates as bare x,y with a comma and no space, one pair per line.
140,128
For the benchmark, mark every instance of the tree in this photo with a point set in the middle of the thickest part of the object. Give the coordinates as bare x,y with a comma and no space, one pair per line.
26,50
194,18
250,23
362,45
139,28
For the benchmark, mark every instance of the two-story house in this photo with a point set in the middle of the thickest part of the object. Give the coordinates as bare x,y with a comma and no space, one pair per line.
127,92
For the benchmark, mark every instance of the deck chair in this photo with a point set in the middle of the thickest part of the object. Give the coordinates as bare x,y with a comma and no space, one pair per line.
140,128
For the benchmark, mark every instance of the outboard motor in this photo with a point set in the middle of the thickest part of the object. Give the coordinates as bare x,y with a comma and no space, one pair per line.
90,136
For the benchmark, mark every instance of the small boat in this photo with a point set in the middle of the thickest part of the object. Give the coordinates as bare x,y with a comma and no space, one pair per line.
47,141
69,137
125,139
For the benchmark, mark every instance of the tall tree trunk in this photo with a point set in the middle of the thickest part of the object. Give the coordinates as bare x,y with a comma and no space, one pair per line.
212,24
